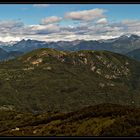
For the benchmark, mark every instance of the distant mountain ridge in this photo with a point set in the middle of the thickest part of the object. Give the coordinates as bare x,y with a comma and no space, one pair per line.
134,54
122,44
4,55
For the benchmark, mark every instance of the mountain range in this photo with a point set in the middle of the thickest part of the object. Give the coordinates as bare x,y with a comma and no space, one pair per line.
5,55
125,44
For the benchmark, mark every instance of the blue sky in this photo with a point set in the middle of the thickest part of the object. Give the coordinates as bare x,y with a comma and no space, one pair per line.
67,21
31,14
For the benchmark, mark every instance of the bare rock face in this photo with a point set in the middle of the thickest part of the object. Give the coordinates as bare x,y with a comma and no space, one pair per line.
49,68
93,68
101,85
36,62
7,107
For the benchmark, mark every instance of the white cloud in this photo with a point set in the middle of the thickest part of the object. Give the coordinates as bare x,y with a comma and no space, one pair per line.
86,15
51,19
102,21
10,24
44,29
90,25
10,38
41,5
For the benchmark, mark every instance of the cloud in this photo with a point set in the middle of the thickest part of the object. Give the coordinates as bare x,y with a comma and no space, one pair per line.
43,29
102,21
10,24
10,38
10,27
87,24
127,26
86,15
41,5
52,19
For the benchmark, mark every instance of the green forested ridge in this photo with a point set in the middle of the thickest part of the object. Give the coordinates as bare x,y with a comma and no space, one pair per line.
54,93
98,120
50,80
